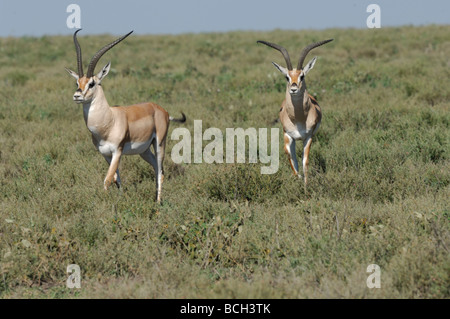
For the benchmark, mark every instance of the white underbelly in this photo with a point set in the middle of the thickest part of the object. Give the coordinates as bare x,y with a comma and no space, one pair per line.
300,132
130,148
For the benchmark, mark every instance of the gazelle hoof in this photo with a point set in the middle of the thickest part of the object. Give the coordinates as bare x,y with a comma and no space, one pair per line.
106,184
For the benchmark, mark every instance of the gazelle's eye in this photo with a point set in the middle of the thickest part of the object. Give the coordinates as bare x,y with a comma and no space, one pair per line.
91,85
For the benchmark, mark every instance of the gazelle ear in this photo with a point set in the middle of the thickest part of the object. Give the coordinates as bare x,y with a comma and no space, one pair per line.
104,71
281,69
309,66
72,73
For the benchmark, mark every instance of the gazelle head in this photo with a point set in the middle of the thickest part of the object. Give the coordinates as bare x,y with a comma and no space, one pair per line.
87,84
295,76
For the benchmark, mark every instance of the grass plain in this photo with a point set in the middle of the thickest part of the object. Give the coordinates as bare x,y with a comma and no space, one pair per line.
379,171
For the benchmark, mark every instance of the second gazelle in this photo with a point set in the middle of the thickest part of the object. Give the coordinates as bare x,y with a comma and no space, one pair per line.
300,114
120,130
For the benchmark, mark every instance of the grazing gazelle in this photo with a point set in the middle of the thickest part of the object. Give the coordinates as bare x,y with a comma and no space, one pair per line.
120,130
300,114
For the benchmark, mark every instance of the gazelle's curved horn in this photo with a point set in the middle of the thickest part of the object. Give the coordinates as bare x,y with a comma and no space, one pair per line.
78,49
282,50
99,54
306,51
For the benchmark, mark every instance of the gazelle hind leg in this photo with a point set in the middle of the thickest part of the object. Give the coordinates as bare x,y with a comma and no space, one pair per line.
150,158
159,150
289,149
156,160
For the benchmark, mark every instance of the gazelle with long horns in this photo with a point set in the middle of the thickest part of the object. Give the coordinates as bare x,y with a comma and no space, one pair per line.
300,114
120,130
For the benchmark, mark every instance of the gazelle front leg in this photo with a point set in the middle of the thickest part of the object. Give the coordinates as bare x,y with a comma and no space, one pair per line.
116,174
305,156
289,149
113,168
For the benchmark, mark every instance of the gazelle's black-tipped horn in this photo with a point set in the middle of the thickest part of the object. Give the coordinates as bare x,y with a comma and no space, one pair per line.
78,49
306,51
102,51
282,50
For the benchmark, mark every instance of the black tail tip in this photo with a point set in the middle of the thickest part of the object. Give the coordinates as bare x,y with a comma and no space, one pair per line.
181,120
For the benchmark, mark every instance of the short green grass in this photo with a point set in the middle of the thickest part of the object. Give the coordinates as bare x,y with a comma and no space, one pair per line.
379,166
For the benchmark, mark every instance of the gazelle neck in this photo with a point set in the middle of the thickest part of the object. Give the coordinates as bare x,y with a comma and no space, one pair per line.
97,111
297,105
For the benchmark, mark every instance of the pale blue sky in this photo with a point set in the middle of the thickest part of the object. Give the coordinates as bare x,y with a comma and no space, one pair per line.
48,17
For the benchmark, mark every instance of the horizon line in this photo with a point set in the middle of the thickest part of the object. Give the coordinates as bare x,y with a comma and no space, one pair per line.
136,32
